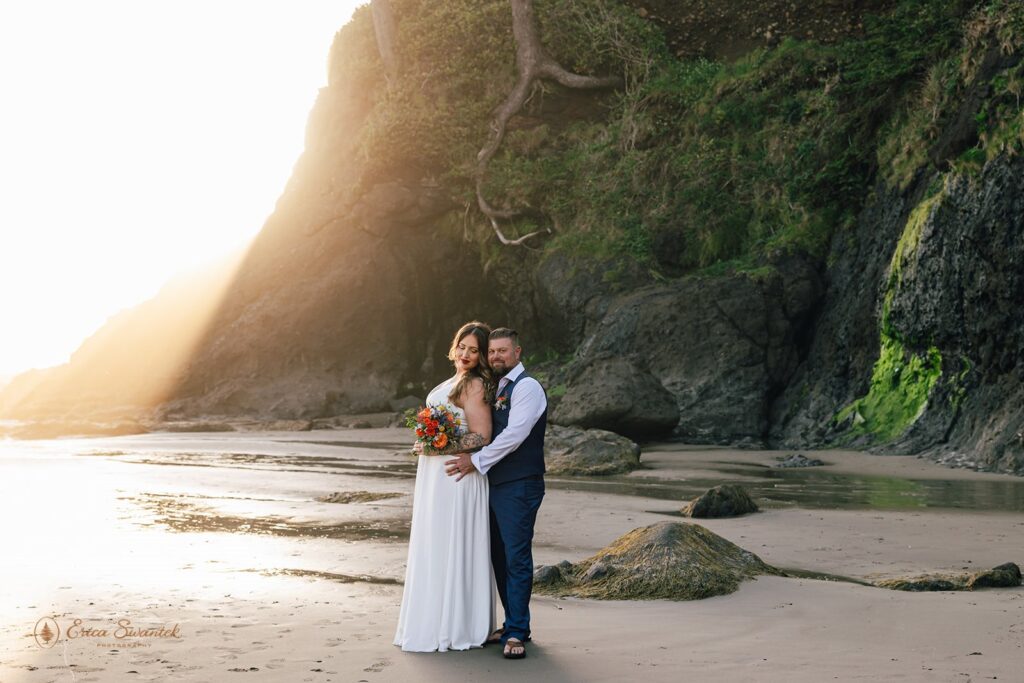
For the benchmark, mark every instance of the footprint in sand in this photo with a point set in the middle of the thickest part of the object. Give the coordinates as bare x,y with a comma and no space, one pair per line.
377,667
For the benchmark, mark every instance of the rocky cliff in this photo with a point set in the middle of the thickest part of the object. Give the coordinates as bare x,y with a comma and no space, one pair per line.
806,232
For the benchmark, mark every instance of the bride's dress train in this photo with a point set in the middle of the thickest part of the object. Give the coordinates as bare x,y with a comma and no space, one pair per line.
448,601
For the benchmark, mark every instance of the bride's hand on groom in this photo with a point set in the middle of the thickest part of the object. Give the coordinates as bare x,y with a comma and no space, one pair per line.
460,465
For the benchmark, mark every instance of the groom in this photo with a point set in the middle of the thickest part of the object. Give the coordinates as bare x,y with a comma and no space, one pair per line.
514,465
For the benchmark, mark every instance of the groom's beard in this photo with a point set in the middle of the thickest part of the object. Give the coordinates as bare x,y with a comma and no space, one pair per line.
502,371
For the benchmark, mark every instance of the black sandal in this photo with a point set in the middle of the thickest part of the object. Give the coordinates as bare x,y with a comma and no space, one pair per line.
495,637
513,643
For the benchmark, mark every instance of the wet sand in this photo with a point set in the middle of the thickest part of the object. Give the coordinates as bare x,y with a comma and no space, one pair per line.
230,537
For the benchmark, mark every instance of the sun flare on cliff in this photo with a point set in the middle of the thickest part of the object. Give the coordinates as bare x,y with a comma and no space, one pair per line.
139,139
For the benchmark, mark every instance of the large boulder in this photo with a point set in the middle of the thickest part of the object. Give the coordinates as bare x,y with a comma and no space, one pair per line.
668,560
723,346
574,451
727,500
615,394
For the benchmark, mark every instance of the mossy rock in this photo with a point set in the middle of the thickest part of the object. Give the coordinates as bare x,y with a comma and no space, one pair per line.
727,500
668,560
1004,576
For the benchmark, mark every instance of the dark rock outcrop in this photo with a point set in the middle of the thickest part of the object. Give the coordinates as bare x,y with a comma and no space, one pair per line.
723,346
845,344
956,297
615,394
669,560
727,500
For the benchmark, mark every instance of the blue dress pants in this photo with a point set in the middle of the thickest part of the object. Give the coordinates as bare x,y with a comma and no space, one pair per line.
514,506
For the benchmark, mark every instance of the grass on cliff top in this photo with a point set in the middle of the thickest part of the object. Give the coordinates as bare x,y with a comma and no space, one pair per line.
915,126
692,164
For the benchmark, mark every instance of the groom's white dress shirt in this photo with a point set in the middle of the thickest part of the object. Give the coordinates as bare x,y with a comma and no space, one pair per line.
526,404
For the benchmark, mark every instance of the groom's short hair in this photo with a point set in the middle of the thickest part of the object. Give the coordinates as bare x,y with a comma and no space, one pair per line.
505,333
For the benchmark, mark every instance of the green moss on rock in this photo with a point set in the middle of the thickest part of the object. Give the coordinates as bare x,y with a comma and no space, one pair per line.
902,379
901,383
905,254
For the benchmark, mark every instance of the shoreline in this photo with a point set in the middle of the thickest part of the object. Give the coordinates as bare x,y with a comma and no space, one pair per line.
292,601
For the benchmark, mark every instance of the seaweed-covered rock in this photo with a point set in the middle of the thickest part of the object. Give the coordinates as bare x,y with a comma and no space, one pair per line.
670,560
727,500
798,460
569,450
1004,576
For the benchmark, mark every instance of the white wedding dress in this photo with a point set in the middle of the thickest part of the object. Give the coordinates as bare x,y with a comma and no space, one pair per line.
448,601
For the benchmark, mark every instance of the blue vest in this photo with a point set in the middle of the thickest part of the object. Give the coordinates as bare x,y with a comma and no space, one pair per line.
528,459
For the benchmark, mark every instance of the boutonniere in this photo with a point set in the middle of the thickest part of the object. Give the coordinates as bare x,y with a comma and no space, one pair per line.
501,403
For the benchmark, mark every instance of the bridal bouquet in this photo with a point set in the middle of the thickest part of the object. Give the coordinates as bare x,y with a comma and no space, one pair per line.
435,426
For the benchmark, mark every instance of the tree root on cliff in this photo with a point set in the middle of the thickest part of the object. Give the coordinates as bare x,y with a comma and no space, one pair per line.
532,64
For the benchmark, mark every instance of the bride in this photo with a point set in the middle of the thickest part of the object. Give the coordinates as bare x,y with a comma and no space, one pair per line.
448,601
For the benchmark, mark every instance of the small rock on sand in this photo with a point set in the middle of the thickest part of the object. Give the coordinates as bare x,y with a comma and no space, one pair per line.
575,451
727,500
798,460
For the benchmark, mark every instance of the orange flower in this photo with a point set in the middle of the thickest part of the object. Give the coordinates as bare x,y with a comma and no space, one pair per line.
441,440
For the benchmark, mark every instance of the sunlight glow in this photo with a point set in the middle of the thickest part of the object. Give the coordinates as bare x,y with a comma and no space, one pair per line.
139,138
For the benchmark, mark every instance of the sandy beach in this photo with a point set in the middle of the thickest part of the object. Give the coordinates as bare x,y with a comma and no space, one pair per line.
217,547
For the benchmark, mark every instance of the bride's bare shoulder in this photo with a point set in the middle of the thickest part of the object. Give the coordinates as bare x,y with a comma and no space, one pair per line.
472,390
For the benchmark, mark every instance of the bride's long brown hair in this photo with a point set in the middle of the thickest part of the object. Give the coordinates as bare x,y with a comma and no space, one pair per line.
480,332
